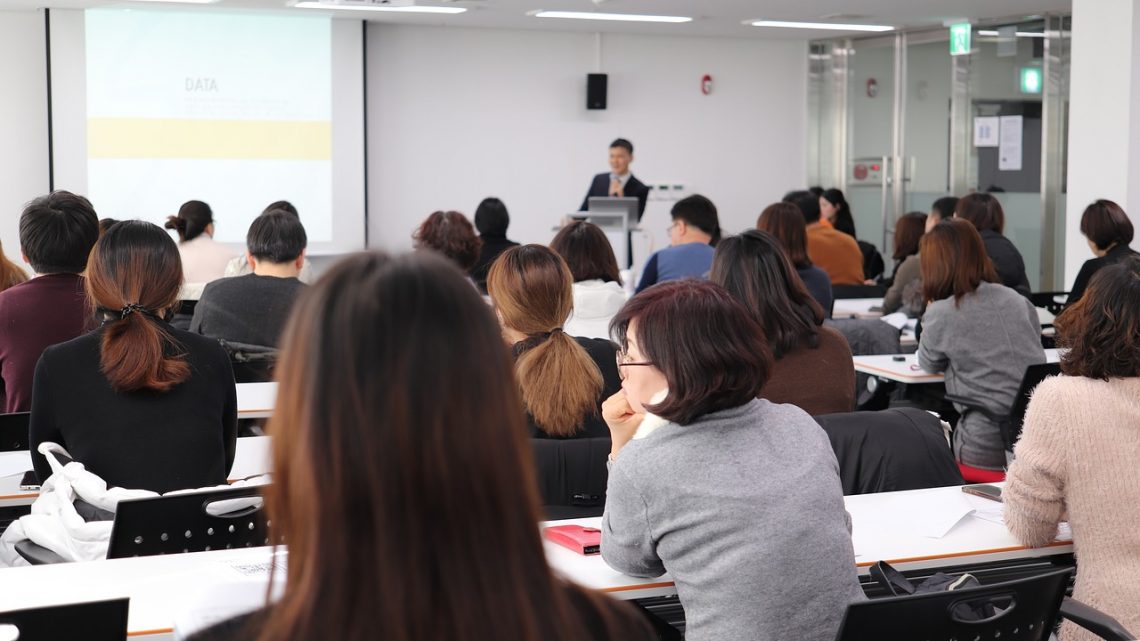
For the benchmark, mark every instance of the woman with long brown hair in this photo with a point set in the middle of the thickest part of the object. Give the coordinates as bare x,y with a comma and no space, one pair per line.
905,289
404,484
10,273
786,223
563,379
140,403
981,333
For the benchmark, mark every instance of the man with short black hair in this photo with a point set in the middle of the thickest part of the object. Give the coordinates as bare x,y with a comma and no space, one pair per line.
618,182
252,309
57,232
239,265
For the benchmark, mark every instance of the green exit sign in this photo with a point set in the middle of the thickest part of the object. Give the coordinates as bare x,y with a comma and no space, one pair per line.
1030,80
960,39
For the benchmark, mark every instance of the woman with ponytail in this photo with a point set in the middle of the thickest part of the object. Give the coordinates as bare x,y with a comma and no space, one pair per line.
563,379
141,404
203,258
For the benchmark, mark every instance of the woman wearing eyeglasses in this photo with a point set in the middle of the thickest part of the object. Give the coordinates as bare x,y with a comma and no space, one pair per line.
563,379
737,498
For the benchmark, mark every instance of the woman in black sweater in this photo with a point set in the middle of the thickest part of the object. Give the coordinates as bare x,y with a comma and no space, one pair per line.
1109,233
984,212
139,403
563,379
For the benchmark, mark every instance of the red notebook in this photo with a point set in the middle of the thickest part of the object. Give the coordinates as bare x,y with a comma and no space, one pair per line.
583,540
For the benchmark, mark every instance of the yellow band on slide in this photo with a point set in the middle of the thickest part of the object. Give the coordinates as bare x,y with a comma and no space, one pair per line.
208,139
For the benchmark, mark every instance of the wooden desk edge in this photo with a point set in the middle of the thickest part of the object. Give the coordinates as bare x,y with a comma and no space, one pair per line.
924,377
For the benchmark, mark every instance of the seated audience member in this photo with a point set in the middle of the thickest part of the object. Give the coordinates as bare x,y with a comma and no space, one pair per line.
252,309
834,211
139,403
239,265
203,258
438,482
1076,459
105,224
754,268
451,234
57,232
563,379
1109,233
699,464
692,236
492,220
905,292
984,212
11,274
832,250
786,223
942,209
981,333
598,293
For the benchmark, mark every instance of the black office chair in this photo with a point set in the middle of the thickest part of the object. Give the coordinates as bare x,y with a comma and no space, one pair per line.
1024,610
1047,300
251,363
873,265
572,476
92,621
1012,422
858,291
195,522
14,431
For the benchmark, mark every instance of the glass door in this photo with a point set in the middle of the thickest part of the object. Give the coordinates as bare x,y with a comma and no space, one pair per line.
869,155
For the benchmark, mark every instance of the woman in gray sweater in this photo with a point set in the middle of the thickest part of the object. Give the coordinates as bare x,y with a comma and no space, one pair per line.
737,498
982,334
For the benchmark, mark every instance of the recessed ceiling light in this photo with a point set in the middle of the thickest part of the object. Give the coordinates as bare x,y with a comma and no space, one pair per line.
621,17
355,7
828,26
181,1
1019,34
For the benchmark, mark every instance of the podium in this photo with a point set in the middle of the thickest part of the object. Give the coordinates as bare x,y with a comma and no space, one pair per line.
616,217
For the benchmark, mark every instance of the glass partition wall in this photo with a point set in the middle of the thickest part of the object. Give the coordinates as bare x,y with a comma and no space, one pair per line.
897,122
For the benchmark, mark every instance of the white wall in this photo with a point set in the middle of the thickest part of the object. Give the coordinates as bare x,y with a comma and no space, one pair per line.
1104,116
23,120
459,114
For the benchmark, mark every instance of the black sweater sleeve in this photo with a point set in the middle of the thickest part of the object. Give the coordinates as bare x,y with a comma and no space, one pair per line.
229,409
43,426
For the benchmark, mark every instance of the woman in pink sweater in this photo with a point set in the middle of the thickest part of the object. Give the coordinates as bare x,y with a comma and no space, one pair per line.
1076,459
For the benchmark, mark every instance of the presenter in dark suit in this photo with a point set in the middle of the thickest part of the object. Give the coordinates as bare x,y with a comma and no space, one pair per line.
618,182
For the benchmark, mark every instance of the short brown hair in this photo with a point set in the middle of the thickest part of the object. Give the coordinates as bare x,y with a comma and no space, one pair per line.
909,229
982,210
953,260
533,292
1106,224
709,347
786,223
1101,331
451,234
133,277
587,252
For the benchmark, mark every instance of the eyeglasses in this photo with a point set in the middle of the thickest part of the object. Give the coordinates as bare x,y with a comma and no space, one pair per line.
623,361
669,229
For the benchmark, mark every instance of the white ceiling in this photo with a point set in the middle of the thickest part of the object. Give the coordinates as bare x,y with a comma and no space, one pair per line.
712,18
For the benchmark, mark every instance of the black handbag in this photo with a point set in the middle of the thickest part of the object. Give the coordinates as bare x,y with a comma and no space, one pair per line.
896,584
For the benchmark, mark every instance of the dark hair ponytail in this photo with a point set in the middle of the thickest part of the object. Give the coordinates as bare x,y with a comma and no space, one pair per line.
134,275
194,216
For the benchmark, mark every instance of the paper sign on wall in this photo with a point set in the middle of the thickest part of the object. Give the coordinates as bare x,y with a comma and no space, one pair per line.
986,131
1009,149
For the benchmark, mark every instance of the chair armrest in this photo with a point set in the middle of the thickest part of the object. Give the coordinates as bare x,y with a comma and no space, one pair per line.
36,554
1094,621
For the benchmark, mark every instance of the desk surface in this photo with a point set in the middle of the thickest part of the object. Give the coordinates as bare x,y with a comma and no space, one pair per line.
256,400
885,526
886,366
857,308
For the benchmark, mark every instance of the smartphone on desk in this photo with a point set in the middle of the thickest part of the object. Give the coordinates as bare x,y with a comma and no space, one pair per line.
30,482
986,491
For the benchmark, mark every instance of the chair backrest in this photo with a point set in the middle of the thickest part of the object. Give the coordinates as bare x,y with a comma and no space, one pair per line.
14,431
858,291
890,450
92,621
873,265
1048,300
192,522
251,363
572,475
1027,609
1034,374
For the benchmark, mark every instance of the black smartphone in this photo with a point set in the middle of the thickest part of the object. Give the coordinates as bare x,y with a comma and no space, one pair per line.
991,492
30,482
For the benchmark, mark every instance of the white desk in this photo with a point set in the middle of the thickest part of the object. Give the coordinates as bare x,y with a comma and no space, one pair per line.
251,458
883,529
161,586
886,366
857,308
256,400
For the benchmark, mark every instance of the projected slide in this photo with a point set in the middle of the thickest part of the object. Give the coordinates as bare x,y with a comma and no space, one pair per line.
232,109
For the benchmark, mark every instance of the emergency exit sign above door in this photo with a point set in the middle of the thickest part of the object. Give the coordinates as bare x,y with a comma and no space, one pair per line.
960,39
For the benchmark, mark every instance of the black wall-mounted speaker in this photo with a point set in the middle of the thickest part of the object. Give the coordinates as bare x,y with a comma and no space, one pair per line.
596,90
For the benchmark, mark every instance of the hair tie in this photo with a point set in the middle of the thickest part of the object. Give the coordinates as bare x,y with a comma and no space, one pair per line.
131,308
554,331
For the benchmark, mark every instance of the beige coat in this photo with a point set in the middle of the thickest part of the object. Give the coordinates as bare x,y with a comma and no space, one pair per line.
1079,459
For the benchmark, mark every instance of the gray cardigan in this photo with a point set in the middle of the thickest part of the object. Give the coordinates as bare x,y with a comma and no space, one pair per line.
744,509
984,344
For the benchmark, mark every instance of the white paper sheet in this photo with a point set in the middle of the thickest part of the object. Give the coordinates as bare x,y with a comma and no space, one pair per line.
1009,151
936,519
